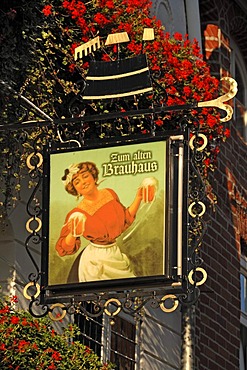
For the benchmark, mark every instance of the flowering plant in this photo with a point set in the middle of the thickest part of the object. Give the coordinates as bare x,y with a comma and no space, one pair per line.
29,343
52,79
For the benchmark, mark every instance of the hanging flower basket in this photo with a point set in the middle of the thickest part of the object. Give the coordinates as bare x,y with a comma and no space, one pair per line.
54,81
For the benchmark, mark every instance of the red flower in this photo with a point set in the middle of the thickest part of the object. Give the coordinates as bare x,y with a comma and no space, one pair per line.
187,91
211,120
227,132
14,299
3,320
216,150
106,58
159,122
101,19
2,347
36,324
72,67
87,350
15,320
47,10
56,356
110,4
73,47
197,96
147,22
52,366
134,47
125,27
207,162
22,346
85,65
178,36
24,322
4,310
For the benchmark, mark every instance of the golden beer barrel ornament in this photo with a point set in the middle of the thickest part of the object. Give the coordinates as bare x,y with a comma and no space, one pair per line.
173,299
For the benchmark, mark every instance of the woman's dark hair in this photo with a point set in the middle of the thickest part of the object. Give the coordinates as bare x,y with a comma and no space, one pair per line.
83,167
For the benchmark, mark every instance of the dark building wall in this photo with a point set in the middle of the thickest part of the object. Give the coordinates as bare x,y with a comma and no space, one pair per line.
218,308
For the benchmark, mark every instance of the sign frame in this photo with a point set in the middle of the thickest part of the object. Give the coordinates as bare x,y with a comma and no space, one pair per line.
175,168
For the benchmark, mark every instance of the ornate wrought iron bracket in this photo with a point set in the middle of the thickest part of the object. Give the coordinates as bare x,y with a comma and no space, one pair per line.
129,302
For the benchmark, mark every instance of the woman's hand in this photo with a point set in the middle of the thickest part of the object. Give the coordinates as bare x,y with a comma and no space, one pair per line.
139,193
133,208
76,224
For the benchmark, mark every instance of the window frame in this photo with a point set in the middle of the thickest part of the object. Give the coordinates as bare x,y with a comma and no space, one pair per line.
107,330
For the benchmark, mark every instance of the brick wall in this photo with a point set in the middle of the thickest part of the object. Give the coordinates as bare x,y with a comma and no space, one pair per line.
218,308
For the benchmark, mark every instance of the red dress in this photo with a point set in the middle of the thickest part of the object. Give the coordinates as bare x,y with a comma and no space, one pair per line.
104,221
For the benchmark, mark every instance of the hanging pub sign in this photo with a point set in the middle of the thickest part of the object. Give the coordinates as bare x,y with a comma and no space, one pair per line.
115,216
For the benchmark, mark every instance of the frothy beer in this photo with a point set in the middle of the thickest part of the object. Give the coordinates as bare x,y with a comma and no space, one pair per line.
77,218
149,187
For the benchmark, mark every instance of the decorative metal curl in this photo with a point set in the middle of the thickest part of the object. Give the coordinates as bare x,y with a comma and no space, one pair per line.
195,205
37,220
108,304
200,282
190,298
59,316
196,211
36,240
27,286
34,163
116,303
154,302
33,157
219,102
34,210
36,302
98,308
175,303
202,146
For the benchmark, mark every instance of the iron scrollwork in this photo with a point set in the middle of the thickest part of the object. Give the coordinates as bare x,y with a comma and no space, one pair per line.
131,302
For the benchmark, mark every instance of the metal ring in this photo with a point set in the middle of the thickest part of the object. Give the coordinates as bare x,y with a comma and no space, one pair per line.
57,318
37,286
175,301
202,281
194,214
28,160
203,146
33,219
117,310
